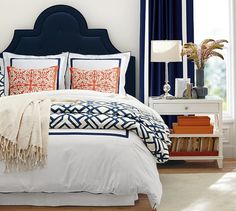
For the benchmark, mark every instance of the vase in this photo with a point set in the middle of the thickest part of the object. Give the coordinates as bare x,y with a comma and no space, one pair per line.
201,90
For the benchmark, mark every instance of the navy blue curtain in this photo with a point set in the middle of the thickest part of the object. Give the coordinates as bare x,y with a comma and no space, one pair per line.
190,35
142,49
165,23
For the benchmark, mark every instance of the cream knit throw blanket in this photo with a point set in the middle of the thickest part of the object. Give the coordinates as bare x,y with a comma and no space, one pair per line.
24,125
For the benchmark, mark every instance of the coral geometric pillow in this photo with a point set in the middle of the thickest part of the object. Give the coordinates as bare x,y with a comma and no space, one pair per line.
97,80
31,80
35,62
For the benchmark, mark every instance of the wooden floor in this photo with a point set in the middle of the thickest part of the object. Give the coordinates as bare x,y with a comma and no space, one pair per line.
172,167
182,167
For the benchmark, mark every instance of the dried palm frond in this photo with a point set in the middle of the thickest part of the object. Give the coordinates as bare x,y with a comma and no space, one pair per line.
200,54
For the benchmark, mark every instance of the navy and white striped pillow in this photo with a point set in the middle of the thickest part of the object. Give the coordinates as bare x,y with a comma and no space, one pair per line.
2,88
1,78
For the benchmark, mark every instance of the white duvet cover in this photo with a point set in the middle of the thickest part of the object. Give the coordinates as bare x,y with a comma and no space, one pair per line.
95,161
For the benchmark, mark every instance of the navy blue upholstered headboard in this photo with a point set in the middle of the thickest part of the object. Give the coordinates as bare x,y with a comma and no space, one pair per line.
62,28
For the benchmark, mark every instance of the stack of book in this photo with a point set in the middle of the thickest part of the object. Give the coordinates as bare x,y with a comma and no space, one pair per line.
194,146
193,125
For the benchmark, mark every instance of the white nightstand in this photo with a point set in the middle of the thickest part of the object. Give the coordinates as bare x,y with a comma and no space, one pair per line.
208,106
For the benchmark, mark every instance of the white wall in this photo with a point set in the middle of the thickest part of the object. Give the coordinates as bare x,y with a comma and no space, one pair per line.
119,17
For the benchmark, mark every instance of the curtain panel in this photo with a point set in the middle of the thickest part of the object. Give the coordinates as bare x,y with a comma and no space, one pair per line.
165,23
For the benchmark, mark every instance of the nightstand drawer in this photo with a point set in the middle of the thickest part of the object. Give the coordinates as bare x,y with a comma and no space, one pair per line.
175,108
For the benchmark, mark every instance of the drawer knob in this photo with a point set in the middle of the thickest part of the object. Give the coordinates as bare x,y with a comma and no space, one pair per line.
186,107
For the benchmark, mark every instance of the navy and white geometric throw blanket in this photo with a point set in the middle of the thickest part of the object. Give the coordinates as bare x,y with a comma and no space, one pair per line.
113,115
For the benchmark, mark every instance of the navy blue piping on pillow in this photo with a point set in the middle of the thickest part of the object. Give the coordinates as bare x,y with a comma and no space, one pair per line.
58,63
119,60
126,135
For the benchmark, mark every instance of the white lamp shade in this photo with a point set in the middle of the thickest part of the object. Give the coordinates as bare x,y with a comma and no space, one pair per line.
166,51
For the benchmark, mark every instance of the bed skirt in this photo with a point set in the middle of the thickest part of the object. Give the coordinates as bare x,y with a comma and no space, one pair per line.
67,199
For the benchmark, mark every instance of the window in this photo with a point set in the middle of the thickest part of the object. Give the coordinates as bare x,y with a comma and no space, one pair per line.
212,19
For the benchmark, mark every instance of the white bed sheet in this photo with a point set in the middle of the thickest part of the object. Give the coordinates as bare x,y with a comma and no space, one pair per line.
93,163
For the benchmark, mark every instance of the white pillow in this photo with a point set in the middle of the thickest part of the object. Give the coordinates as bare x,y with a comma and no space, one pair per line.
1,65
2,87
36,62
99,62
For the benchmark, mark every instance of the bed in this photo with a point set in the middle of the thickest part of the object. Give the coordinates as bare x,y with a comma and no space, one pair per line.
85,166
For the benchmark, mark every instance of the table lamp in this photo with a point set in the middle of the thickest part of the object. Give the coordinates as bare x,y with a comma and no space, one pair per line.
166,51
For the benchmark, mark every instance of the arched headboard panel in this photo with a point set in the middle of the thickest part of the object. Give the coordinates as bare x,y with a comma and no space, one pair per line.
62,28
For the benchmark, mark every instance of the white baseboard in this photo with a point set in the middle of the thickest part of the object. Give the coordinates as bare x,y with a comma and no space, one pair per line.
229,151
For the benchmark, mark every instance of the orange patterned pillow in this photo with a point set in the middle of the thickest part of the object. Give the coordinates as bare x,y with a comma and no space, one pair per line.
97,80
31,80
